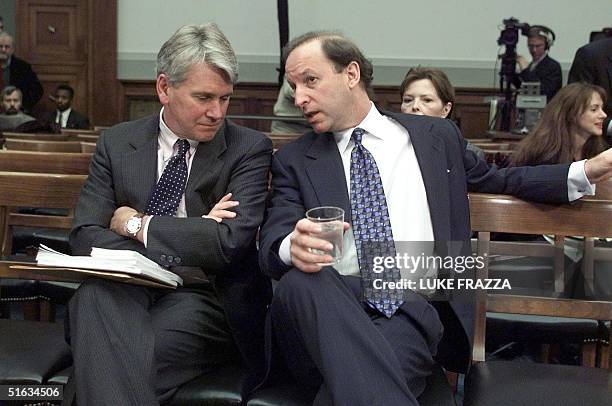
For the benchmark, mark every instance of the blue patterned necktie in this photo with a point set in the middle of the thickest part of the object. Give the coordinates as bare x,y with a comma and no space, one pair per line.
167,194
372,228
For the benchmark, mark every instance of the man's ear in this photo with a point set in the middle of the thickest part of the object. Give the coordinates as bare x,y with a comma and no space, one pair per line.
162,86
353,74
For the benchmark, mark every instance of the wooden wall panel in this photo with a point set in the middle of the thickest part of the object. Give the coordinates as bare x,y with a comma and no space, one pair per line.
74,42
471,111
56,32
53,75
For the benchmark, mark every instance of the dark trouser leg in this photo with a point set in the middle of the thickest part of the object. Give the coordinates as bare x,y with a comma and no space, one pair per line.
326,334
112,344
123,338
191,337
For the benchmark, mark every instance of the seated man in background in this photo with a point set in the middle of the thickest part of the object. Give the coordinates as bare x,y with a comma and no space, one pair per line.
12,117
17,72
427,91
65,116
542,67
187,189
398,177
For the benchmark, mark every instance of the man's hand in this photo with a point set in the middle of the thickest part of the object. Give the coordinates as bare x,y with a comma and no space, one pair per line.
599,168
303,241
220,211
120,217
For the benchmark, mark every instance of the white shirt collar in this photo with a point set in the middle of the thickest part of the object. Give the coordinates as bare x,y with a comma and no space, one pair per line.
167,138
371,124
66,112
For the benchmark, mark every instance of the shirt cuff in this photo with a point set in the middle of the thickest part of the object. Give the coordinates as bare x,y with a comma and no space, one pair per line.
578,184
284,251
146,230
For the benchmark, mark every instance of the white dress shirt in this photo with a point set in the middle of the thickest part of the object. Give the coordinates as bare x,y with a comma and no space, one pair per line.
61,117
165,151
390,145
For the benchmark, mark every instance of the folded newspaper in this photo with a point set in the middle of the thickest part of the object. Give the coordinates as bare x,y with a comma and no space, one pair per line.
118,261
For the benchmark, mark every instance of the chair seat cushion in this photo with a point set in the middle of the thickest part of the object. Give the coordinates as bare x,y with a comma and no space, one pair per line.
25,237
61,377
31,351
221,387
437,393
510,383
540,328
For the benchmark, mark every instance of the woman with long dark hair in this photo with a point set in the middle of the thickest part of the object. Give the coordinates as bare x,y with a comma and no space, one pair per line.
570,129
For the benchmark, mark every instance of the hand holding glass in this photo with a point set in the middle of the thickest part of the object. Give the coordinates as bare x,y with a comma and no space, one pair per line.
331,221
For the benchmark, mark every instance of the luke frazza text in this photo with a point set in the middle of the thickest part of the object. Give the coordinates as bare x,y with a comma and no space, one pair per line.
412,263
443,284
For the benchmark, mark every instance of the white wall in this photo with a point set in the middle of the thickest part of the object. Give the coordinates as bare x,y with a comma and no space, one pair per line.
454,34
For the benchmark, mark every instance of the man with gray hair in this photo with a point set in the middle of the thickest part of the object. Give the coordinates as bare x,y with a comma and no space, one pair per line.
187,189
17,72
12,116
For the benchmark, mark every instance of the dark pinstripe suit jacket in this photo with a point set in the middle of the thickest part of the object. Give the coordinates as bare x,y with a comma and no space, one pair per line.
123,173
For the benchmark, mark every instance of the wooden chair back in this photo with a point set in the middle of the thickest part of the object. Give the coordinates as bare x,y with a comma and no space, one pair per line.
36,136
45,162
42,146
587,217
39,190
85,137
75,131
88,147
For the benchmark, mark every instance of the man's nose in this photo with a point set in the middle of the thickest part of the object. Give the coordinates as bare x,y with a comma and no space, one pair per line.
300,97
215,110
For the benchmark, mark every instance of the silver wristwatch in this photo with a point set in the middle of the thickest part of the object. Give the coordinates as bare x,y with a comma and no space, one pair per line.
134,224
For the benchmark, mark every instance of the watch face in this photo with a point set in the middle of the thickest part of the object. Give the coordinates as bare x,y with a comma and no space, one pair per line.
133,225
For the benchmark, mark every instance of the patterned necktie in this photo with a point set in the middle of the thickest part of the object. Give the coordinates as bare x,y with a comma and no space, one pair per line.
166,196
372,228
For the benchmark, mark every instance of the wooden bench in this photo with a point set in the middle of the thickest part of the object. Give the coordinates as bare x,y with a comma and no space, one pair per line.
45,162
42,146
35,136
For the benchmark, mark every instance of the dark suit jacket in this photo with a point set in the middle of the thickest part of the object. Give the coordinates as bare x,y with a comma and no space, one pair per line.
22,76
548,73
309,173
593,64
123,173
76,120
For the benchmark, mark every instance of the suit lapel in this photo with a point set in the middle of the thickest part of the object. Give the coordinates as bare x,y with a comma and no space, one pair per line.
140,163
429,150
205,168
326,173
70,121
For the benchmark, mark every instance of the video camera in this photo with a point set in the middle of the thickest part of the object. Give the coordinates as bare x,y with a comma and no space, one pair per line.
509,38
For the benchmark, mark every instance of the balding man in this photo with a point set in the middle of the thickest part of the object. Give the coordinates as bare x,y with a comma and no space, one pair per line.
18,73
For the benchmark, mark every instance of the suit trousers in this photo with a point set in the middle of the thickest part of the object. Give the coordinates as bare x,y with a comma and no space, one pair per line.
133,345
332,341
